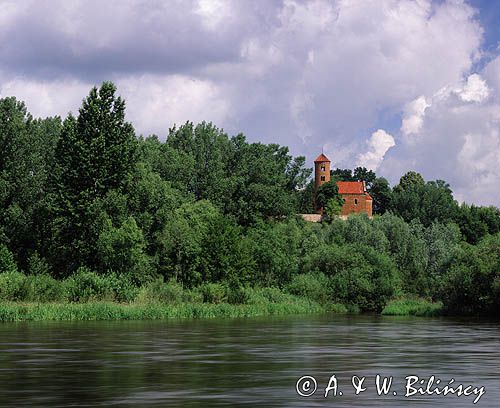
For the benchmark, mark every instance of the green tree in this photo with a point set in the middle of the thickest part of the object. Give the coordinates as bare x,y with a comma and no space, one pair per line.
475,222
122,250
381,193
472,283
413,198
96,153
363,174
26,161
342,175
328,194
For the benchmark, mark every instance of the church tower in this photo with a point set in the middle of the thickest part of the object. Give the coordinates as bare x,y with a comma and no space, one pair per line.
321,171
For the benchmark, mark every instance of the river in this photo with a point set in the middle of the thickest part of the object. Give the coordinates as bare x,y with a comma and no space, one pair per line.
246,362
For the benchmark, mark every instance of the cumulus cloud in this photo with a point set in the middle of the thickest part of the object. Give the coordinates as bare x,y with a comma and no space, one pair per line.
305,74
474,90
458,140
414,116
378,145
156,102
47,98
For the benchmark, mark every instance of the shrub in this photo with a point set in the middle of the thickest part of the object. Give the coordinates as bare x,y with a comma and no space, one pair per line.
43,288
192,296
38,265
86,285
159,291
12,286
122,287
471,284
123,249
315,287
261,296
213,293
7,263
237,295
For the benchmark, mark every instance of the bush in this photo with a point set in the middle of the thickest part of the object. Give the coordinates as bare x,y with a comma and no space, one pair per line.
213,293
161,292
359,275
43,288
237,295
38,265
86,285
7,263
471,284
123,249
122,287
261,296
316,287
12,286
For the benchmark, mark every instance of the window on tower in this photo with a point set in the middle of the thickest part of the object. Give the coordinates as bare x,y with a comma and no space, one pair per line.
322,168
322,178
356,201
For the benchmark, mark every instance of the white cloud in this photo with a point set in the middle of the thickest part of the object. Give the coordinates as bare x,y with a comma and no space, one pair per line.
378,145
303,74
47,98
474,90
155,103
213,12
457,140
414,116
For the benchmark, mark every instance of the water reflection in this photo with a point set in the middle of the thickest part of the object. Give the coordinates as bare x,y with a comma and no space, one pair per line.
242,362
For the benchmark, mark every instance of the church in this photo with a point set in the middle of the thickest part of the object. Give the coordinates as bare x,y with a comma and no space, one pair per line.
356,198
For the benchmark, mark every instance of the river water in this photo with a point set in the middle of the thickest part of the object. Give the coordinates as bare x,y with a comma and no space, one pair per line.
246,362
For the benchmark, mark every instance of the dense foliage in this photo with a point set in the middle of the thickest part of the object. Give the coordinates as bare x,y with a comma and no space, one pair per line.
90,211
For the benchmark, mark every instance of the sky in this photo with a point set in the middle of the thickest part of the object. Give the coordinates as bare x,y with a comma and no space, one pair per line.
392,85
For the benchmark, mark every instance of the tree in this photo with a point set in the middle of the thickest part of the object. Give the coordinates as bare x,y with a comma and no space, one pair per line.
409,181
475,222
328,194
342,175
381,193
122,250
306,198
26,161
363,174
472,283
96,153
413,198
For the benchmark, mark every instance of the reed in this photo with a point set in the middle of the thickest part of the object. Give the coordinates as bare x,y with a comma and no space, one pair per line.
413,307
15,311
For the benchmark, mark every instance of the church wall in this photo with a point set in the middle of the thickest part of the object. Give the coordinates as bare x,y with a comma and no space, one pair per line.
356,203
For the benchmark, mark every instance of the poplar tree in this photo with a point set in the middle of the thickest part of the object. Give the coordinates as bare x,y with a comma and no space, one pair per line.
96,154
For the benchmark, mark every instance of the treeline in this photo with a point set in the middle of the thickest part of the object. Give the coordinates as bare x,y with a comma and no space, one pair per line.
85,199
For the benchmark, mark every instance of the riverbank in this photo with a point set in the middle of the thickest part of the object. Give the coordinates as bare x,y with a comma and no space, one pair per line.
102,310
413,307
17,312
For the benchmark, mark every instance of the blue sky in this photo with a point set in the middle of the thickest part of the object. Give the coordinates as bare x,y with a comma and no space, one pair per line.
394,85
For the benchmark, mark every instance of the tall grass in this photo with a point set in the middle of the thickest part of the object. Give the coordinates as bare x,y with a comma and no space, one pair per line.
14,311
413,307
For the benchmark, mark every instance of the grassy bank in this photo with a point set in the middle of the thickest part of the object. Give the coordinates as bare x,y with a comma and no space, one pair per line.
103,310
88,296
15,312
413,307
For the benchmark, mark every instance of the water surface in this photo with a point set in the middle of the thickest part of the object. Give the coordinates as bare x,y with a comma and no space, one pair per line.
243,362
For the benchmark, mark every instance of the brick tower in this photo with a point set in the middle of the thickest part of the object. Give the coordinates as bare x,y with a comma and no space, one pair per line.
321,171
321,176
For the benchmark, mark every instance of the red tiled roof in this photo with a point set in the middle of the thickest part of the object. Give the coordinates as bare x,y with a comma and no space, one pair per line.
350,187
321,158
